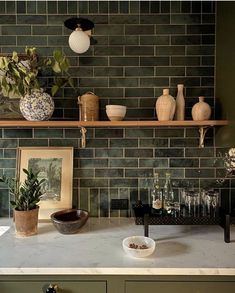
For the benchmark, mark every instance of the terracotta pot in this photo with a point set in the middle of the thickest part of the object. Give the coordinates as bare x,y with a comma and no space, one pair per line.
26,222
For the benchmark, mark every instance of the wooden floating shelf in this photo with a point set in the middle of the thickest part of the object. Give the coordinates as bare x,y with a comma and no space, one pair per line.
72,124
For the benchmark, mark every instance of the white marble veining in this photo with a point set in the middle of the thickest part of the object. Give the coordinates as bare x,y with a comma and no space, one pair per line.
97,249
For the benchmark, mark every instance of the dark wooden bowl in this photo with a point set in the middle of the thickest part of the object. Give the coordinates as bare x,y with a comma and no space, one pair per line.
69,221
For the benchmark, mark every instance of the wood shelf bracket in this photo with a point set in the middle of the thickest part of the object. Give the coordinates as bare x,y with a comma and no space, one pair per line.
83,137
202,132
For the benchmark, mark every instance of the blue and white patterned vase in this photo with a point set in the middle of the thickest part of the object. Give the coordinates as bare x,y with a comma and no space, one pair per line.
37,106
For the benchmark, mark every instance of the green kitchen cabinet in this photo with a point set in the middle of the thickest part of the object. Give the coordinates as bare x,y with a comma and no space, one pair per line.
179,287
118,284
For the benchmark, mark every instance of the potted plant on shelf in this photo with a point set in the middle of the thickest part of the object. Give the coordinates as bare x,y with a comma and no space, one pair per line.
20,77
25,204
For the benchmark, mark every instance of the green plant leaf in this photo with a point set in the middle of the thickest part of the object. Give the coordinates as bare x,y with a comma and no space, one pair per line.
54,89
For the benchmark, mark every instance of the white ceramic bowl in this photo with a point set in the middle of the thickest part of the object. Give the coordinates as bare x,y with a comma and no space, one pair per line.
139,240
115,112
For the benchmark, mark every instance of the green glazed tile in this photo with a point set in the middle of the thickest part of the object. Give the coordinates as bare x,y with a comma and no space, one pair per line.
106,173
9,153
8,163
124,61
104,202
113,7
123,82
184,162
108,51
8,19
199,152
169,152
124,19
21,6
52,7
154,163
152,82
154,6
123,162
108,71
93,182
94,202
152,19
123,40
153,142
50,29
8,143
31,7
83,173
83,198
31,19
155,61
6,40
185,18
124,6
139,92
41,7
16,30
32,40
103,6
154,40
139,173
200,50
185,61
63,7
200,173
201,29
144,6
93,163
50,133
110,29
124,182
139,50
93,61
139,153
10,7
124,142
12,133
139,29
114,152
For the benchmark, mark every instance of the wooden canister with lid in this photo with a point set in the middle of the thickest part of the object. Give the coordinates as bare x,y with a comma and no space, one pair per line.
88,107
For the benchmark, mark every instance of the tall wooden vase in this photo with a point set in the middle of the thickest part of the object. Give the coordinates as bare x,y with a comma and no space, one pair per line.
165,106
180,103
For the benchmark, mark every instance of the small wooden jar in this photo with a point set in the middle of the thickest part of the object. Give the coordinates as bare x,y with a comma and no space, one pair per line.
88,107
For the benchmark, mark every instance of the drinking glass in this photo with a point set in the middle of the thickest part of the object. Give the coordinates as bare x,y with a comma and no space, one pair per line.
192,201
210,202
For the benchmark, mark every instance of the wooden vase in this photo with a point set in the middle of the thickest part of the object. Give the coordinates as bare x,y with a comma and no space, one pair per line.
26,222
201,110
165,106
180,103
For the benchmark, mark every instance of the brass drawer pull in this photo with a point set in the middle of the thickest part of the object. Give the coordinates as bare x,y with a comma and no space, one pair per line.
52,289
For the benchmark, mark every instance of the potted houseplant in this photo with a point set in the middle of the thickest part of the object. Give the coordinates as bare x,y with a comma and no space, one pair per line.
20,77
26,197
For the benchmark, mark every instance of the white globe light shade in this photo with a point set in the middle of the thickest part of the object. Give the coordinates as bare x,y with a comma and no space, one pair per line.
79,41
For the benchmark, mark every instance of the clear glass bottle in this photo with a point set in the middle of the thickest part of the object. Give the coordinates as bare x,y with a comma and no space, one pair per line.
168,195
156,194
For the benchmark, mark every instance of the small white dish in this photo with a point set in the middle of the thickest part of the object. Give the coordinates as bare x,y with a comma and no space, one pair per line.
115,112
129,243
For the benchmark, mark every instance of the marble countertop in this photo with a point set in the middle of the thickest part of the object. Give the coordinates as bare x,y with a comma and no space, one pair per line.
97,249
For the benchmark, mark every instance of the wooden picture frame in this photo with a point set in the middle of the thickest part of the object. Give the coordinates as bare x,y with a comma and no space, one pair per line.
55,164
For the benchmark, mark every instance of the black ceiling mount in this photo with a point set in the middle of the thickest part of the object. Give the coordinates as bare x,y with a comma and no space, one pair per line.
75,22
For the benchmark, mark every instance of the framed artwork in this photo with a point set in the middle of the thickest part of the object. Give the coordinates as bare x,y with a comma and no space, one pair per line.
55,164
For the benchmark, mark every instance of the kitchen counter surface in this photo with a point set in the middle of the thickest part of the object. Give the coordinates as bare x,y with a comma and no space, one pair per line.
97,249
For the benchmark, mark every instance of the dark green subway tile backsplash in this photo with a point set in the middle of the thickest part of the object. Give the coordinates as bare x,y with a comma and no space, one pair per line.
143,47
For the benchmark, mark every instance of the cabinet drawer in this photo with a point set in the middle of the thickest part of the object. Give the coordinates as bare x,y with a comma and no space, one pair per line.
179,287
64,286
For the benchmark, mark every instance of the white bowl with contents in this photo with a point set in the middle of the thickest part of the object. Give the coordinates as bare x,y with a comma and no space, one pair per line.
115,112
138,246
